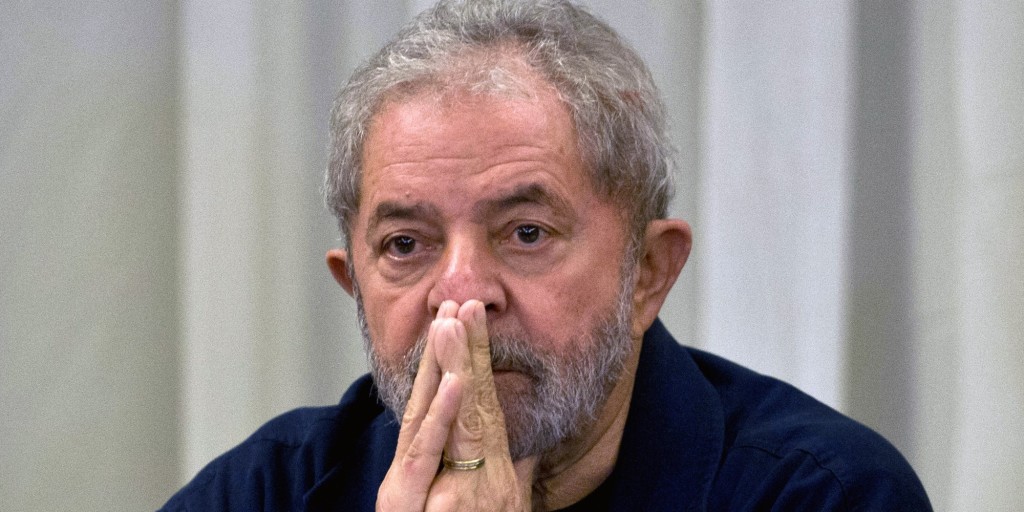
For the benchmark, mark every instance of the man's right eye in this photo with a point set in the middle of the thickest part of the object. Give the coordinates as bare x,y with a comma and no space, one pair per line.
400,246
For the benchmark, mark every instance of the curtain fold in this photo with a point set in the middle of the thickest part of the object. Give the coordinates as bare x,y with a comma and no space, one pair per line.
854,173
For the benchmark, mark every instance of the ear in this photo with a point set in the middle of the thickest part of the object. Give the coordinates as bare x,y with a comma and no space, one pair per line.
337,261
666,247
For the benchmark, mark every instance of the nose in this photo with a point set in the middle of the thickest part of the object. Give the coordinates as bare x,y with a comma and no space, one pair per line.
468,270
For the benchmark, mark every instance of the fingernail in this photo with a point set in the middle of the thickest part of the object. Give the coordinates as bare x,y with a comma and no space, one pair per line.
449,308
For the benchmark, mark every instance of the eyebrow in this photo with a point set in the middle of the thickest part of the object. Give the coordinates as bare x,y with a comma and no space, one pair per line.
391,210
526,194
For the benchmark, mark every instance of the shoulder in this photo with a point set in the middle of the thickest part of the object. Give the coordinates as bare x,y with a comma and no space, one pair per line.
283,459
784,450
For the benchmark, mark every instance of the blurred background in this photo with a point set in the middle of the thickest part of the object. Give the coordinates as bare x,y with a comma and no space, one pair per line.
854,172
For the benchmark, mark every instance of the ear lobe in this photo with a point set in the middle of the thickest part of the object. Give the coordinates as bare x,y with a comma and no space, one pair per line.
667,245
337,262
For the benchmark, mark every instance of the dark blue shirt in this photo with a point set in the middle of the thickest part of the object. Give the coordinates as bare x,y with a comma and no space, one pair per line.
702,434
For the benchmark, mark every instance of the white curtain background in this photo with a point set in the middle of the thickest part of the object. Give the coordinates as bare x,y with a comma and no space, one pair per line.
854,172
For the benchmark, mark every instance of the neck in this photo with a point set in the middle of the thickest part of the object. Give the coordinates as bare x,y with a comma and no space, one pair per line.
576,468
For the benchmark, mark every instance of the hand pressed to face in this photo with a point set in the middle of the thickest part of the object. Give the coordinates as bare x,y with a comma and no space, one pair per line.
480,205
454,410
484,198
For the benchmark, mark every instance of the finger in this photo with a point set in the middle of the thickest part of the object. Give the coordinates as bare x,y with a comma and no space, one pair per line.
424,453
473,315
424,388
451,348
479,423
409,479
428,376
448,309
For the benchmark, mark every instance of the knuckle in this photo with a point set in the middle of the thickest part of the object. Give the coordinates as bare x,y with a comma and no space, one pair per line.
472,425
411,461
443,500
409,417
408,424
416,461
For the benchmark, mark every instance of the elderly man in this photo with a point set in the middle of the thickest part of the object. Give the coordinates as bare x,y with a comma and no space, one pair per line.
499,172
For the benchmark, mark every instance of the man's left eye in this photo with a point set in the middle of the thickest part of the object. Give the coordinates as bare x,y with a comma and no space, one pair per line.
529,234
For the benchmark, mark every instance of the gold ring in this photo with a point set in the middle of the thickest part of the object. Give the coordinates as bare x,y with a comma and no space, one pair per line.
462,465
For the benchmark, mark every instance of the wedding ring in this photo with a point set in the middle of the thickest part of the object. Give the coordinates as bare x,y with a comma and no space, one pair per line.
462,465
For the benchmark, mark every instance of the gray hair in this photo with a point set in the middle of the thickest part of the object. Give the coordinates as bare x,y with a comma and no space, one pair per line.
607,89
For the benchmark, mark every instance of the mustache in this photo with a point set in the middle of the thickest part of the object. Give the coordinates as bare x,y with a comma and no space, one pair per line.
508,353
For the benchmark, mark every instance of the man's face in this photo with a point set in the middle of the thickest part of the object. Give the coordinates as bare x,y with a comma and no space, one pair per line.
486,197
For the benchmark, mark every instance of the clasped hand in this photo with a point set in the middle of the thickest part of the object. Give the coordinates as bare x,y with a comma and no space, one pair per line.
454,411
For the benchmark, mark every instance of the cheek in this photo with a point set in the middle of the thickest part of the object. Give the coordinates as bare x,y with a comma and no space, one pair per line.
391,314
563,308
395,323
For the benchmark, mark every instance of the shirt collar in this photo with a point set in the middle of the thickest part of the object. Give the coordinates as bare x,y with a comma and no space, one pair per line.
673,437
